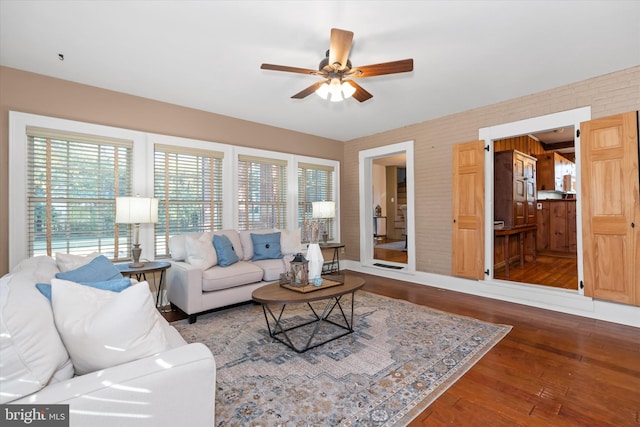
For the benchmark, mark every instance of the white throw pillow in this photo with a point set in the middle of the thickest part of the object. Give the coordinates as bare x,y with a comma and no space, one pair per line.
290,242
200,251
32,354
67,262
101,328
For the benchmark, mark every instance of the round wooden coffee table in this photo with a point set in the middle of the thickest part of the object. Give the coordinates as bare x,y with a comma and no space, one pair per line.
275,295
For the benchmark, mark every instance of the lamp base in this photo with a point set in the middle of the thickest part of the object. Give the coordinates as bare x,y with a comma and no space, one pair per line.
136,251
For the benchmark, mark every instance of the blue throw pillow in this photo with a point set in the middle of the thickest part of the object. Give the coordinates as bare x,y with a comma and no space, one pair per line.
224,250
266,246
99,269
117,285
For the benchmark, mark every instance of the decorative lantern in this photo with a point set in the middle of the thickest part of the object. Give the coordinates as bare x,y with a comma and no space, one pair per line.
299,270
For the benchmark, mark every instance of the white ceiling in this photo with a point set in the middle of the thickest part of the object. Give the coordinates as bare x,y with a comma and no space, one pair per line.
207,54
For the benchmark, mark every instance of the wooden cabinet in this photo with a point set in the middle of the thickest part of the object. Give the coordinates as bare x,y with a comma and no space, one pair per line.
556,232
552,167
514,188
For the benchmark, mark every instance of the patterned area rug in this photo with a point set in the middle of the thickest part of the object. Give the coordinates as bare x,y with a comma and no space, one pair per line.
400,358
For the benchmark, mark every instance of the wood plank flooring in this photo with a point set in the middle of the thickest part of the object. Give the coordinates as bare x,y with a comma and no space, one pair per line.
552,369
554,271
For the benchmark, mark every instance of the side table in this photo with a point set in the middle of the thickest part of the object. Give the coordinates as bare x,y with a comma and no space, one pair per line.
140,273
332,266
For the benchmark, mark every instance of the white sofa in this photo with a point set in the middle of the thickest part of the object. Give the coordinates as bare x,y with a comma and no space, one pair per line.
196,287
171,388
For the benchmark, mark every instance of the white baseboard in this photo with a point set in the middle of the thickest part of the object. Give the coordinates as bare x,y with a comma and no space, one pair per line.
556,299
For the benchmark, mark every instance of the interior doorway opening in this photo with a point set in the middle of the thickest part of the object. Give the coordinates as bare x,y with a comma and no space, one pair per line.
386,208
541,244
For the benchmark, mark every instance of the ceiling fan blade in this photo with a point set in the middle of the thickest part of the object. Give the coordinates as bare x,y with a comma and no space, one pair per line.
385,68
339,47
308,91
360,94
288,69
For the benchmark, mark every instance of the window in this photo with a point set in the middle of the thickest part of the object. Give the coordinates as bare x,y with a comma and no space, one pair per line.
262,193
188,184
72,183
315,184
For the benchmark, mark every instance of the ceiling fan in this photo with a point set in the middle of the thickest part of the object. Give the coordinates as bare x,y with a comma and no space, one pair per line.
337,72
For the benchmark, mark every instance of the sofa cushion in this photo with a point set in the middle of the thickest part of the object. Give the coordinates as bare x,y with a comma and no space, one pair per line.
240,273
32,354
97,270
178,245
101,328
271,268
290,242
68,262
247,242
224,250
200,251
266,246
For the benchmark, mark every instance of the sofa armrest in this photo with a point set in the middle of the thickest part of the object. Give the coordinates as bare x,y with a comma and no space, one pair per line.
173,388
184,287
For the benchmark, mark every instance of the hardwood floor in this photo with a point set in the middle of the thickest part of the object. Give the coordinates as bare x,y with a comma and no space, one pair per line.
554,271
552,369
388,254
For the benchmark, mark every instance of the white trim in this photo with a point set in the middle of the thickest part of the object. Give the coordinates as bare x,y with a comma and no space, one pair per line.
365,162
18,217
563,301
523,127
143,166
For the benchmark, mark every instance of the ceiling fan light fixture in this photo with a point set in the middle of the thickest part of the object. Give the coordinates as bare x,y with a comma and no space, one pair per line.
335,89
348,90
323,91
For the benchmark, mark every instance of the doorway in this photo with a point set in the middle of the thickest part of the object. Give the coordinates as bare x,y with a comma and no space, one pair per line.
390,199
386,208
550,254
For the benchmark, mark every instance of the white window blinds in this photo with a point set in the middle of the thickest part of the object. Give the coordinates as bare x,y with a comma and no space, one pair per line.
262,193
73,180
188,184
315,184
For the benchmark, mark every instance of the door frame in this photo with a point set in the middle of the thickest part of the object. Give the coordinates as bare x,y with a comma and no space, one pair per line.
523,127
365,163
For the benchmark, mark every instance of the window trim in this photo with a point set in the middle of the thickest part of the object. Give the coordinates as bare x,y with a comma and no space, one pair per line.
143,177
18,155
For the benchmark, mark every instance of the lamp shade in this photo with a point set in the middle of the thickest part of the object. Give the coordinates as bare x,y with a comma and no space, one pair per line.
136,210
324,209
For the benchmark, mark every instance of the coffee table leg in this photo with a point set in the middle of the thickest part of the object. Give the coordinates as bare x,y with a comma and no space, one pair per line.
278,329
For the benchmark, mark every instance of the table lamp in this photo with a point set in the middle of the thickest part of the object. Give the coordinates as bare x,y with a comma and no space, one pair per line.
136,210
324,210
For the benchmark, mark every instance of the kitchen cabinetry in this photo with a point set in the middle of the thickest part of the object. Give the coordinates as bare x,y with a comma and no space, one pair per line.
552,167
514,188
556,231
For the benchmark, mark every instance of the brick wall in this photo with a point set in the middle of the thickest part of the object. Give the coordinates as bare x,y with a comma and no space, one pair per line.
433,141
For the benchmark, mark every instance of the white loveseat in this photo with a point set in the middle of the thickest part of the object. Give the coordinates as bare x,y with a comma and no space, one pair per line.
170,388
197,284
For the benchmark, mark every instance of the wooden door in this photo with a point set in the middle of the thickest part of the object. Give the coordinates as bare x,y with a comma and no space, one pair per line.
468,210
610,208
